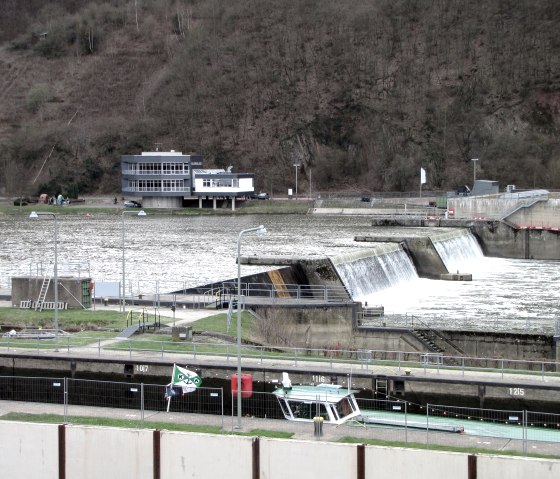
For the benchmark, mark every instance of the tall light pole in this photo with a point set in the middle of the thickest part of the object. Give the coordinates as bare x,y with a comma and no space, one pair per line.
140,213
260,230
474,160
35,215
297,166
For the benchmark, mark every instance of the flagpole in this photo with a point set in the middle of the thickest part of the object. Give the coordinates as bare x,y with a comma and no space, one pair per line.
169,396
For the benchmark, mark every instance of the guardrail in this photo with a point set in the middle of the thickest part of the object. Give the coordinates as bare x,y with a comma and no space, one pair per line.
326,358
288,291
529,325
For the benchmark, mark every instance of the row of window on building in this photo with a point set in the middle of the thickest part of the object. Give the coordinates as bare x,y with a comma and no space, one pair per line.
158,168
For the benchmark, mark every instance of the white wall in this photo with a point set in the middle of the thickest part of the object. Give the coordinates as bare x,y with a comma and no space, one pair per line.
104,452
400,463
31,450
492,467
281,459
28,450
205,456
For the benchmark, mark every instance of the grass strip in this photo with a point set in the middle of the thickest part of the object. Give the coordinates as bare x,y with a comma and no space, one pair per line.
133,424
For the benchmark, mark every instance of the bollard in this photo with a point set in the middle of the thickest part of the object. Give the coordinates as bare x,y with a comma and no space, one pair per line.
318,426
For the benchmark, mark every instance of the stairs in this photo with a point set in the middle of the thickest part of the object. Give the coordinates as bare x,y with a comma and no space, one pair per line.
428,338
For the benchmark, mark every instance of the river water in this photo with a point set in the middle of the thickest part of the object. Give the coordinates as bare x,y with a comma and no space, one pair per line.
170,252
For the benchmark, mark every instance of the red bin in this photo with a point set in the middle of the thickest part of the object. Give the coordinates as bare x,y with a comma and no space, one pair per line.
246,385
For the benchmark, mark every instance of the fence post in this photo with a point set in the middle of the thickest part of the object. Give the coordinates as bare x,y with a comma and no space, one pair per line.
405,423
222,401
525,432
142,404
65,400
427,424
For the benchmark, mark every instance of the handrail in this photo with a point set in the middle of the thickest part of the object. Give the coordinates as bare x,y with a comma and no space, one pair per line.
329,356
439,335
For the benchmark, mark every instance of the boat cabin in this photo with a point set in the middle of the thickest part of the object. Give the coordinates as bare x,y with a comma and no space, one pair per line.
332,402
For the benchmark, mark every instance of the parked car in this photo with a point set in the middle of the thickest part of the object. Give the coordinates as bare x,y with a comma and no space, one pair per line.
263,196
132,204
21,201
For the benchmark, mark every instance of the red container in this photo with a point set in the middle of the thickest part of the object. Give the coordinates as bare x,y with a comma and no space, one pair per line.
246,385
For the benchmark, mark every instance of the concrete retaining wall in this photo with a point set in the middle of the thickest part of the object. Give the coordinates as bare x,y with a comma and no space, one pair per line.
27,288
72,452
310,327
28,450
108,452
502,241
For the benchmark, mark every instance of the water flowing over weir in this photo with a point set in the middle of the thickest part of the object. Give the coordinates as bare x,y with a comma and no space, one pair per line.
367,271
458,250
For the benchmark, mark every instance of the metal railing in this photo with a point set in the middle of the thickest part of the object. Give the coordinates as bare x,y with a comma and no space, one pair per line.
524,325
327,293
325,358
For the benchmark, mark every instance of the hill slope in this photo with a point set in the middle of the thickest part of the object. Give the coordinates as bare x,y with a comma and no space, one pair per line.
361,93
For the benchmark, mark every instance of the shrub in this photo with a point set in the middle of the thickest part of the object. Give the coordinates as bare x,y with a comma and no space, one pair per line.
37,96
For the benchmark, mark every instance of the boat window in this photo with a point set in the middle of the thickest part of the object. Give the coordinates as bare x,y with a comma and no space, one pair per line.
344,407
308,410
284,409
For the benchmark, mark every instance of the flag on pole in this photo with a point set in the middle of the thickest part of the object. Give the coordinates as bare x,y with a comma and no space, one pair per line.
422,176
188,380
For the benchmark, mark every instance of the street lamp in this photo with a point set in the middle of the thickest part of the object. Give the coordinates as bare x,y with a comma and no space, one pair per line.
297,165
260,230
140,213
474,160
35,215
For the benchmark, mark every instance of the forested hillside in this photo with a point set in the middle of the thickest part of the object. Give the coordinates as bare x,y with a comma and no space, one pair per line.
362,93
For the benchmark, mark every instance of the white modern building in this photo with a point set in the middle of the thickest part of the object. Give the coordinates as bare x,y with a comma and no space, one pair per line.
166,179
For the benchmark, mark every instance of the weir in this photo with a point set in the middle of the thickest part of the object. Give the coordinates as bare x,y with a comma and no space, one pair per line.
373,269
458,249
435,254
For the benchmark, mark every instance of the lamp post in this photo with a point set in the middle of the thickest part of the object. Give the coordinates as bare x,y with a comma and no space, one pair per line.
474,160
297,165
140,213
260,230
35,215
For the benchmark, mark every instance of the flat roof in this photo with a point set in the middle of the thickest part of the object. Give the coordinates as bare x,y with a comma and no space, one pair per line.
324,392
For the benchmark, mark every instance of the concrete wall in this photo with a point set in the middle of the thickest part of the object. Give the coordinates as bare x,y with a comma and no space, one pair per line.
310,327
28,288
398,463
28,450
162,202
281,459
502,241
33,450
205,456
497,466
105,452
541,214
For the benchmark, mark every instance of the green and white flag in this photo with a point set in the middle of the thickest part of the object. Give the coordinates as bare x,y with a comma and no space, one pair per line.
188,380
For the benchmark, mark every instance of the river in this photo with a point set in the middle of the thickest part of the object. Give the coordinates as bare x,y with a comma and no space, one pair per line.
165,253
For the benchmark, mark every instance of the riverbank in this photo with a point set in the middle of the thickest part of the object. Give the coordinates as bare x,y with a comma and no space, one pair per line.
103,205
